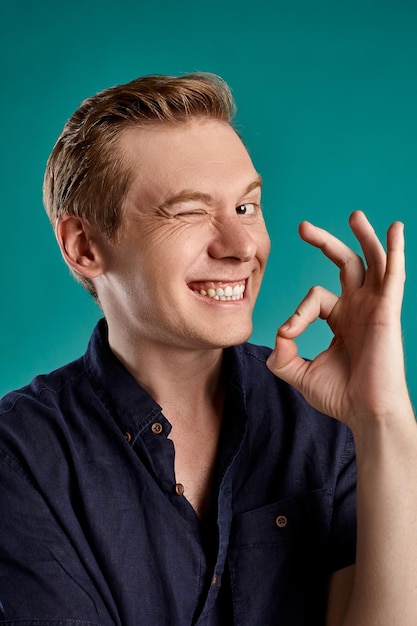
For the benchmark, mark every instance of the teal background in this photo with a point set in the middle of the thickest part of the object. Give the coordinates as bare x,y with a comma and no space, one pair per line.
327,98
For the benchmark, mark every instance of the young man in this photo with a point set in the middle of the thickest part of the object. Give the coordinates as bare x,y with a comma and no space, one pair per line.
175,474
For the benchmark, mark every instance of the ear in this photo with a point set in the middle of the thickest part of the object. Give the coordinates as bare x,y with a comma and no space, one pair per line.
80,245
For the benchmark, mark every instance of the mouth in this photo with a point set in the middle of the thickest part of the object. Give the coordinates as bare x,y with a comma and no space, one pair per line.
220,290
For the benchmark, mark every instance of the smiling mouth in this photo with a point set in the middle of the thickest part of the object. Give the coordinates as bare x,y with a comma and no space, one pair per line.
220,290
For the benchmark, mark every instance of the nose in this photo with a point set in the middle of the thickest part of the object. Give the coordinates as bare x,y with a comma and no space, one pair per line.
232,239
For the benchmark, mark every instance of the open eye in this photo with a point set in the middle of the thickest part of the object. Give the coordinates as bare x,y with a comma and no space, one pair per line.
248,208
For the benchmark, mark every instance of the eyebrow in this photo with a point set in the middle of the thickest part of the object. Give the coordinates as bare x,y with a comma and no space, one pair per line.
198,196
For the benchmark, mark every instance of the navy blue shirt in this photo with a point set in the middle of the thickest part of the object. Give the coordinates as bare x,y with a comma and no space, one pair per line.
93,529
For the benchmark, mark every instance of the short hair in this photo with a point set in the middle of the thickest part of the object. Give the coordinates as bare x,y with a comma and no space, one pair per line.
86,174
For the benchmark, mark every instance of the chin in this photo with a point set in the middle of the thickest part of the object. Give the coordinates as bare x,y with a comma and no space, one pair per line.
231,338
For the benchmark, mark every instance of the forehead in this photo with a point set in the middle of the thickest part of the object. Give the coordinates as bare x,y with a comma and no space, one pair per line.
200,154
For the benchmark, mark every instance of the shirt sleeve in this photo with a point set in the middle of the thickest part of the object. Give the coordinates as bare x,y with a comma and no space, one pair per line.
42,579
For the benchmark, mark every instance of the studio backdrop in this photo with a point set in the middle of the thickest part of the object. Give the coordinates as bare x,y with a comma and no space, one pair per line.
327,105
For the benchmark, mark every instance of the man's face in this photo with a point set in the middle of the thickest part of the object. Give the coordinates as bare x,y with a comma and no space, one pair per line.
188,263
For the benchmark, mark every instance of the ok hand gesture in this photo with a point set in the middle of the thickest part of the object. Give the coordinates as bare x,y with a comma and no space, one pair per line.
361,374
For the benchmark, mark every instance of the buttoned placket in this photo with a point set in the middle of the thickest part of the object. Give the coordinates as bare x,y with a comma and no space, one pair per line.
152,444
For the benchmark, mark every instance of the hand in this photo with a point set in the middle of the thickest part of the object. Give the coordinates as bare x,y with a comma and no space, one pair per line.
361,374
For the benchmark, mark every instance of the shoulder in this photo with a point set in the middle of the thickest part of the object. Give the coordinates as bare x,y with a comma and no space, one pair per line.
253,352
34,420
280,408
58,386
261,386
50,428
44,390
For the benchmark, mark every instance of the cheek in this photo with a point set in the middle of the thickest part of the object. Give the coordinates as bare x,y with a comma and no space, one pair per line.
159,255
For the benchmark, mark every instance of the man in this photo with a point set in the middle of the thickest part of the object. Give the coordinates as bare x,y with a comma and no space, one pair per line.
168,476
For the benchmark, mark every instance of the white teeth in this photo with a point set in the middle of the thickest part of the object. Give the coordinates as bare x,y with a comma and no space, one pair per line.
226,293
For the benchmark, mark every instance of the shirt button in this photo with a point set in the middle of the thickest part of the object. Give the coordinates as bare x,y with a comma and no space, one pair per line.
281,521
156,428
179,489
128,437
214,580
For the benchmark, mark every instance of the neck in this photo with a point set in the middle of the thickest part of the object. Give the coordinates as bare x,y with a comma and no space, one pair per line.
175,377
188,385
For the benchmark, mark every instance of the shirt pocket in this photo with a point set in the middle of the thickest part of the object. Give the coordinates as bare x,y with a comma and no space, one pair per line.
278,561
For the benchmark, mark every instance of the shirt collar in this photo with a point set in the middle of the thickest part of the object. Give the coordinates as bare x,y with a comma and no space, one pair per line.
132,406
